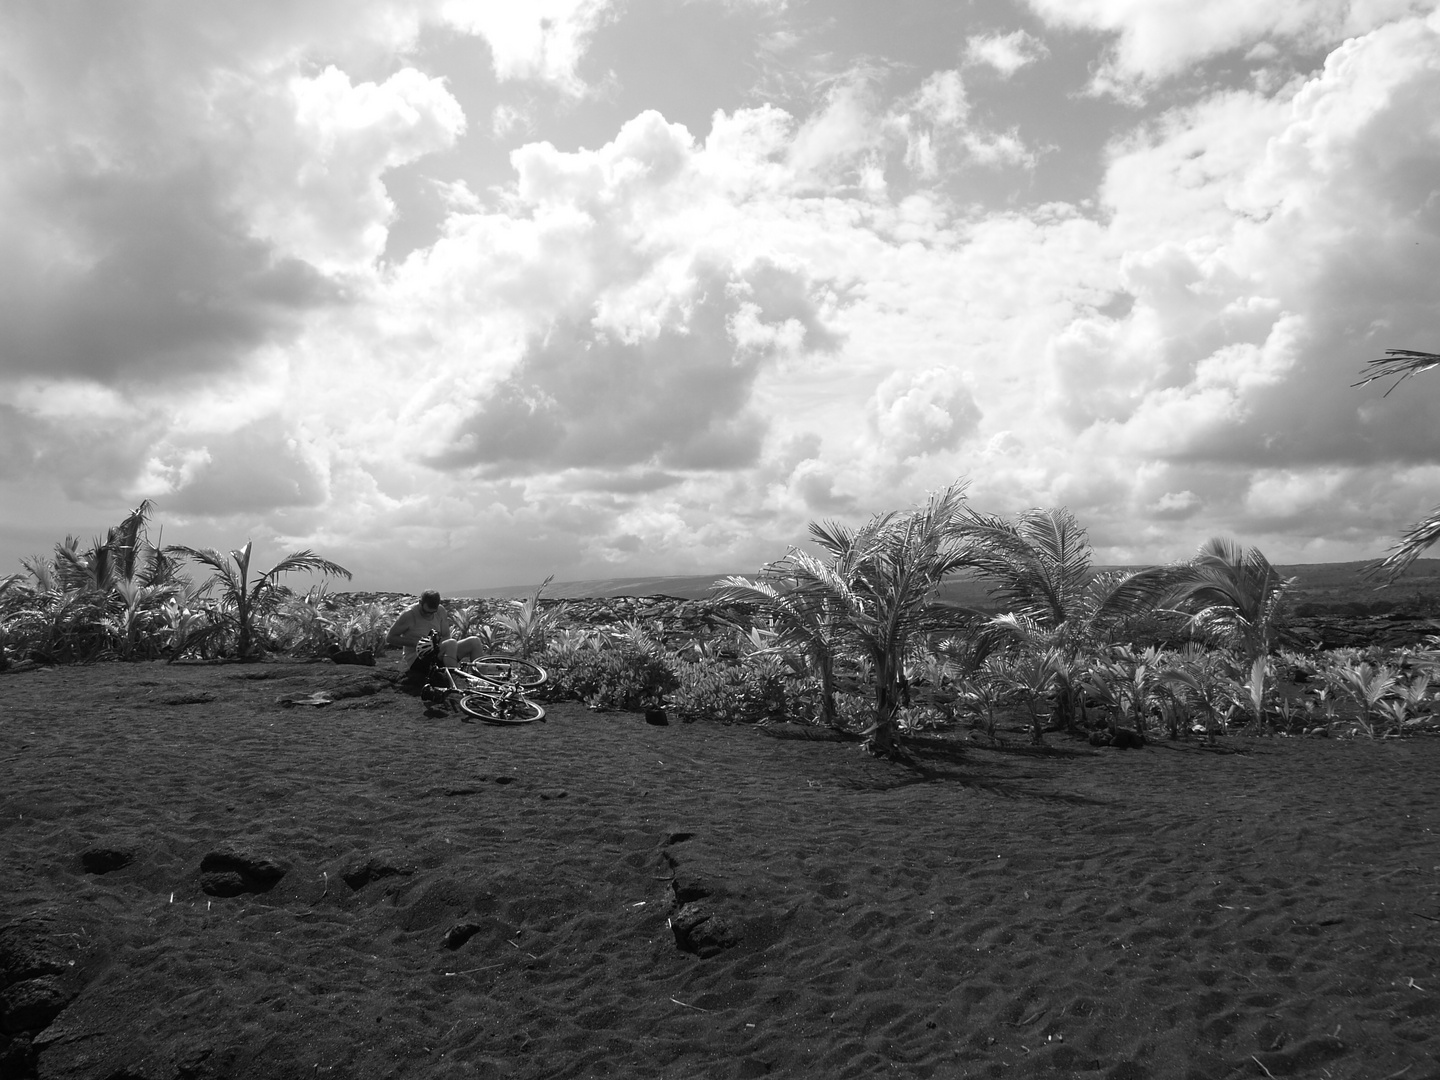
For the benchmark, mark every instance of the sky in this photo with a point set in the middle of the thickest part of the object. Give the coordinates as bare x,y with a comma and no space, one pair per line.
462,293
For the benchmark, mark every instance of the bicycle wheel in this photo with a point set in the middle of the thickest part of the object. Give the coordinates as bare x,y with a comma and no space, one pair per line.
501,710
509,669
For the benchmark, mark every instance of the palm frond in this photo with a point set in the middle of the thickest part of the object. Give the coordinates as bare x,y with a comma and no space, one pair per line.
1116,594
124,542
1020,629
1400,363
738,589
308,561
1041,562
42,570
1222,574
831,535
207,556
1412,544
224,575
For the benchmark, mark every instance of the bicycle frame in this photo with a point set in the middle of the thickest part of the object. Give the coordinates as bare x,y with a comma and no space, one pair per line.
465,680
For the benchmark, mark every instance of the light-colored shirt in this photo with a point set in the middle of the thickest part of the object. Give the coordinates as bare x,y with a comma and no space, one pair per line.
414,625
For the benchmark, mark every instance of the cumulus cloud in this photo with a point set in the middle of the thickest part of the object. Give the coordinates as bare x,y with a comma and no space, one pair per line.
1005,53
663,352
539,39
1157,40
316,190
923,412
177,209
584,398
1308,228
261,466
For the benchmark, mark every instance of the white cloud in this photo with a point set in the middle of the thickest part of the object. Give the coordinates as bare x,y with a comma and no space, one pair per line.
539,39
923,412
315,191
1307,223
1005,53
941,99
1160,38
661,353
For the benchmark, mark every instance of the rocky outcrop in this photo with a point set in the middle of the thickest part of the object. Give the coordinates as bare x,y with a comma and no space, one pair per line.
1391,631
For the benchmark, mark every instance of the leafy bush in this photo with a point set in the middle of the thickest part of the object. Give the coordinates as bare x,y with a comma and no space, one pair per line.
753,689
302,625
364,626
621,676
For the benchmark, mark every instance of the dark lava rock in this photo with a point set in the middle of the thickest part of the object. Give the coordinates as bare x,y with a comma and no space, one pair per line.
231,871
699,930
361,872
30,1005
656,717
364,658
459,934
695,878
17,1056
1121,738
27,951
1335,631
102,859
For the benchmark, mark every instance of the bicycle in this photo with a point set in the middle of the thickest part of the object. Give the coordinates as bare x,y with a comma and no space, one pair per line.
490,688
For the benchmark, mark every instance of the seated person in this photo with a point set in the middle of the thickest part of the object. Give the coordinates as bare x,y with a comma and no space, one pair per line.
415,625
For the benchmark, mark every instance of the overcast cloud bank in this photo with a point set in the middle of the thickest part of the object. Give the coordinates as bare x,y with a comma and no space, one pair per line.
663,350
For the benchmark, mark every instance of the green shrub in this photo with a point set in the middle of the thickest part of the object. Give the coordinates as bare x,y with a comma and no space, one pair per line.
749,690
621,676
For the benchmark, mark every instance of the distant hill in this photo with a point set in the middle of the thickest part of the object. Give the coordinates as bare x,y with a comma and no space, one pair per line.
691,587
1319,583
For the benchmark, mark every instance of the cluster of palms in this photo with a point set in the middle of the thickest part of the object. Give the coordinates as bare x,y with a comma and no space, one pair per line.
855,632
1367,691
128,598
872,598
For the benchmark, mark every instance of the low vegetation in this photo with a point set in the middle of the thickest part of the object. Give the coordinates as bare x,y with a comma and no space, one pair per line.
852,633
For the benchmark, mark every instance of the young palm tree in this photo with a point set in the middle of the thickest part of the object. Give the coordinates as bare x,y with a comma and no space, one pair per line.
804,621
528,624
1401,364
1041,564
243,600
1367,685
880,584
1234,594
1034,675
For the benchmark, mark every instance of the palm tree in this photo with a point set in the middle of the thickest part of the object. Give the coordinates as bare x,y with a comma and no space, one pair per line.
1367,685
1403,363
1033,674
1236,595
805,621
880,585
527,623
243,600
1041,564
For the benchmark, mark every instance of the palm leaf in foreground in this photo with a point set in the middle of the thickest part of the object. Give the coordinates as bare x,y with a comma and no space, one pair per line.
1414,542
308,561
1400,363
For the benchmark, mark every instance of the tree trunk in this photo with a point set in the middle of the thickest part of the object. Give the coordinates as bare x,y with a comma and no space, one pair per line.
825,666
882,736
242,639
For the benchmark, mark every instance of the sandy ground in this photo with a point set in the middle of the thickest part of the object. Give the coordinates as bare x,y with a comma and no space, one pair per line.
199,881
